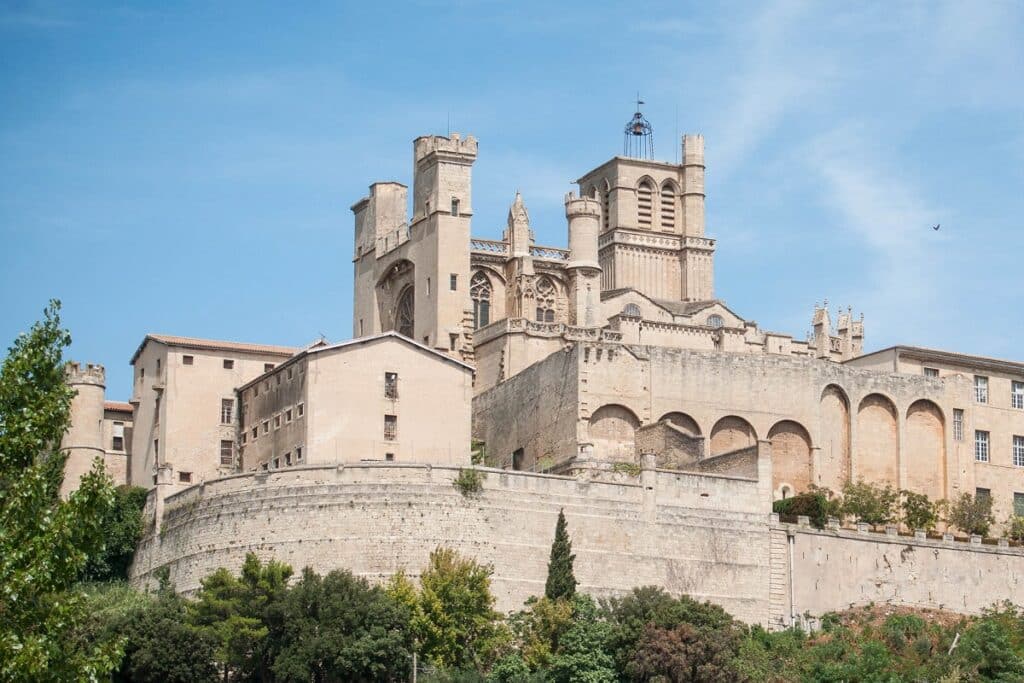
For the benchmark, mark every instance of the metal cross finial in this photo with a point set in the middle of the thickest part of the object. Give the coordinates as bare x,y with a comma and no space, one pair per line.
638,100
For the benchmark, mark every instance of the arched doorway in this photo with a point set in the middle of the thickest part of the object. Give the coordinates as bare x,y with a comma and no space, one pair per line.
791,456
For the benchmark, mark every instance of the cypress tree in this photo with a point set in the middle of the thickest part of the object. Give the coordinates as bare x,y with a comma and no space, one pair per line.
561,581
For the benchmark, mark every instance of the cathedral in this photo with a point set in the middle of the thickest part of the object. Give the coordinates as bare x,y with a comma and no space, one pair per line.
604,379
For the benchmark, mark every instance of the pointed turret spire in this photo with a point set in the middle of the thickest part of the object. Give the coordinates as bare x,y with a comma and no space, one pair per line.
518,233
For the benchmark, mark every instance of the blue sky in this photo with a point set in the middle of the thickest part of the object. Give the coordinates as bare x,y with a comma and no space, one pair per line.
189,169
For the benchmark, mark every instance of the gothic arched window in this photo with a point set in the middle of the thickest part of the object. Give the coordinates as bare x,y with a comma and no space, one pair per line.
631,310
668,207
405,315
545,300
480,293
644,203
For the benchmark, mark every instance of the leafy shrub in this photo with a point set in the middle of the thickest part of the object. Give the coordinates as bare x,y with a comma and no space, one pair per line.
972,514
1015,528
869,503
630,469
818,504
918,511
469,481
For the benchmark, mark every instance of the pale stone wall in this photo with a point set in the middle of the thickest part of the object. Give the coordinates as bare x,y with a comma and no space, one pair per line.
535,411
837,569
997,416
700,535
83,441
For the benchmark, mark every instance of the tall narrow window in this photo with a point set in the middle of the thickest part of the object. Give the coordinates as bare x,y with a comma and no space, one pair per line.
1018,451
981,389
227,409
1018,504
981,446
668,207
545,292
644,204
480,293
390,427
227,456
605,207
958,424
1017,394
391,385
404,314
453,282
118,437
455,206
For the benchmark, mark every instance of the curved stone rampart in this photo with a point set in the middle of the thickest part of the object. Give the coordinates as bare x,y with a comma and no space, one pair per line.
707,536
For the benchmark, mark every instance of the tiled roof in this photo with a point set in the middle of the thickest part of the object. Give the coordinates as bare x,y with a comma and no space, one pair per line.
119,406
952,357
215,345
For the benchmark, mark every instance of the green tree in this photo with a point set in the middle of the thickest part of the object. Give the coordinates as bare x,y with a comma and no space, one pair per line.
339,628
918,511
583,650
163,647
44,541
972,514
453,612
561,583
870,503
122,529
539,628
234,612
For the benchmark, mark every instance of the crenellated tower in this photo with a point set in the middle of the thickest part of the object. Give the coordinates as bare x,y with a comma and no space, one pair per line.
83,441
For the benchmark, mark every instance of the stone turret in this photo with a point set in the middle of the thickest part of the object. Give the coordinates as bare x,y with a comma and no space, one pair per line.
693,185
84,439
584,217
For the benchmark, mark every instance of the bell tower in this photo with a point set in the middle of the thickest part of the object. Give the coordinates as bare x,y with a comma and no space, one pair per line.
652,218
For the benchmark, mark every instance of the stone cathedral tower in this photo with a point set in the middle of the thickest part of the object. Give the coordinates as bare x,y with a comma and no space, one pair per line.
652,232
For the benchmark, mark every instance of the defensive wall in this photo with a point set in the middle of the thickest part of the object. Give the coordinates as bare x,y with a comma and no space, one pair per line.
709,536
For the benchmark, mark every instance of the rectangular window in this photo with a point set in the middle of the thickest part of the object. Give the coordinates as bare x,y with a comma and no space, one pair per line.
298,453
453,340
256,389
142,373
227,410
277,463
1017,395
288,415
227,456
266,466
118,444
266,385
455,207
453,282
428,286
277,422
981,446
229,364
156,410
391,385
278,379
981,389
255,433
266,426
244,435
185,477
156,450
288,459
187,360
1018,451
267,367
980,493
158,366
931,372
290,371
1018,504
300,409
389,456
390,427
958,424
